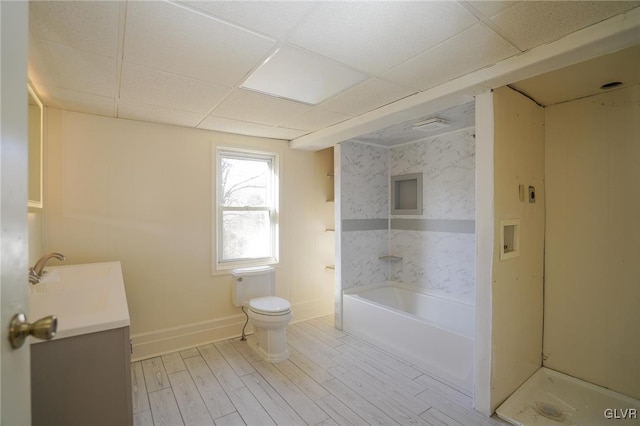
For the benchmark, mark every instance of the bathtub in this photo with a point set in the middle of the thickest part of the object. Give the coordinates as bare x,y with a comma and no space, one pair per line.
432,332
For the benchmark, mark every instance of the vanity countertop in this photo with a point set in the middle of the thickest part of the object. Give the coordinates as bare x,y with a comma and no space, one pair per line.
85,298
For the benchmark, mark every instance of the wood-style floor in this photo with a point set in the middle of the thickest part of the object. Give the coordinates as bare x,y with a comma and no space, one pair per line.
331,378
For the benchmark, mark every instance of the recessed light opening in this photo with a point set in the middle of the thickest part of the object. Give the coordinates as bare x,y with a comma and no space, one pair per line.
611,85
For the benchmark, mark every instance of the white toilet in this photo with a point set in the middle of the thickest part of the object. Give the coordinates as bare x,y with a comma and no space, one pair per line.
254,288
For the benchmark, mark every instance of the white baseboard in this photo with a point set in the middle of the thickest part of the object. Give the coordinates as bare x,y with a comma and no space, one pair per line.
155,343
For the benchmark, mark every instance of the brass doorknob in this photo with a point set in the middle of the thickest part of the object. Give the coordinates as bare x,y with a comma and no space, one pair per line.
19,329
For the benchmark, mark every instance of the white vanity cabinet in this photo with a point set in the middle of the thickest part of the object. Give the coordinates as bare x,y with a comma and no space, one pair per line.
82,376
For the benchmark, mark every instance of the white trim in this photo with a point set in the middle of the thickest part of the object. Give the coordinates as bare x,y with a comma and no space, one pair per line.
159,342
337,196
31,203
484,253
221,268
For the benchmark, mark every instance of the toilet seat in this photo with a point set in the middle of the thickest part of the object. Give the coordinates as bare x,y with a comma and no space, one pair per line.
270,305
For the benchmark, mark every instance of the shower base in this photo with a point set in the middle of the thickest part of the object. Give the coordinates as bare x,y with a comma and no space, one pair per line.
552,398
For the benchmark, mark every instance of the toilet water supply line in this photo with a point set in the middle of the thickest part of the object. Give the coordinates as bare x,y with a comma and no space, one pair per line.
244,336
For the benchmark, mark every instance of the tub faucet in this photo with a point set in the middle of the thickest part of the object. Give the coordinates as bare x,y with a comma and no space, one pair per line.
37,271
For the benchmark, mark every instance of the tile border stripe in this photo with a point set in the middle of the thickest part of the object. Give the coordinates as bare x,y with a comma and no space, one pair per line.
350,225
429,225
435,225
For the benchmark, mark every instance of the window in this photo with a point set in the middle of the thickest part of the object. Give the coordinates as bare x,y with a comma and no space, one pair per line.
247,216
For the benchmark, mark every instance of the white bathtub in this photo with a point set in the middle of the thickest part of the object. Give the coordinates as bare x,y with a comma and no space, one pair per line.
432,332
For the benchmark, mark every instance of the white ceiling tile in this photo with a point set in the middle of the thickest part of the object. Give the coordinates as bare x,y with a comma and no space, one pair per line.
531,23
171,49
473,49
492,7
91,26
273,18
62,66
375,36
302,76
315,119
157,114
233,126
72,100
244,105
170,38
149,86
367,96
284,133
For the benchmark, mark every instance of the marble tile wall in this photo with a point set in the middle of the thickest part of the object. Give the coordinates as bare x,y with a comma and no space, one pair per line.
440,262
364,192
364,181
360,263
448,166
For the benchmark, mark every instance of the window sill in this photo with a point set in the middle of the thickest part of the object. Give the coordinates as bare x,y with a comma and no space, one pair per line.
225,269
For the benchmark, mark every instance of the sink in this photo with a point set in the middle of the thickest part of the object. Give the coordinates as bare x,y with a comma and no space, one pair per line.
86,298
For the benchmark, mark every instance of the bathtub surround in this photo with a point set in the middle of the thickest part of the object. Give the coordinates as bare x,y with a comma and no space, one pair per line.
360,253
442,263
447,163
141,193
432,251
434,225
365,181
364,213
437,246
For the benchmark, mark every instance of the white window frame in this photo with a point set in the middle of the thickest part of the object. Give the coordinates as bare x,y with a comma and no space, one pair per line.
273,208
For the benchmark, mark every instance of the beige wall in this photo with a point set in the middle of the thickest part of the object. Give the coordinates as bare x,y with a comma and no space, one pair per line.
592,292
141,193
35,222
517,283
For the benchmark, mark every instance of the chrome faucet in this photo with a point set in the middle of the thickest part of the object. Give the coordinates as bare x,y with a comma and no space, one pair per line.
37,271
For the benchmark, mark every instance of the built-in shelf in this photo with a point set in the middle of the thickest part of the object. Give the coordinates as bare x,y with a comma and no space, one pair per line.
406,194
389,258
333,267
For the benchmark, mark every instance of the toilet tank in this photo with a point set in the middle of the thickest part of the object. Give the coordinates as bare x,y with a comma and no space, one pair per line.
250,283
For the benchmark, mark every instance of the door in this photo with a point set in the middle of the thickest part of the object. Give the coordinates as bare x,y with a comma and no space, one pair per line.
15,389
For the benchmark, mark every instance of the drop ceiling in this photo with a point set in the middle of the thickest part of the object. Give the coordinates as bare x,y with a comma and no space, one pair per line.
185,63
562,85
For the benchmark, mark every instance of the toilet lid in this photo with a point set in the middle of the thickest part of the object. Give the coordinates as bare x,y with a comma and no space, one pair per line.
270,305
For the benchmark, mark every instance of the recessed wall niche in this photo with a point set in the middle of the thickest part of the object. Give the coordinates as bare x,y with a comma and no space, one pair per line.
406,194
509,238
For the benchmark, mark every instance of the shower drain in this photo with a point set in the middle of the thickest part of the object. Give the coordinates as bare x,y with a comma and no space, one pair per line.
549,411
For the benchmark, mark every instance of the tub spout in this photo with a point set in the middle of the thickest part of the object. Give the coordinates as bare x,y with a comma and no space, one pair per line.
37,271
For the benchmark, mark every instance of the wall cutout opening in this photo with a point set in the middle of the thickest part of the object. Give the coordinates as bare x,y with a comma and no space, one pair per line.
509,238
406,194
